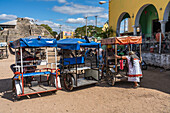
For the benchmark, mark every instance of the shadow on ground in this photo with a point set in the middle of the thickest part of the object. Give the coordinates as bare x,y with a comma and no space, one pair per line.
153,79
6,91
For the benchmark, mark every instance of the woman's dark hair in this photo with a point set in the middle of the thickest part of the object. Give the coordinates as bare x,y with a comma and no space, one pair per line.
132,57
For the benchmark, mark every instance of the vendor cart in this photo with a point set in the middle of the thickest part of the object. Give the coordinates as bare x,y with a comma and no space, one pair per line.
117,70
33,72
76,68
3,50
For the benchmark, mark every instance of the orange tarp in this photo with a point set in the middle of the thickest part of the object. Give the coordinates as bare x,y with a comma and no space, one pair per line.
122,40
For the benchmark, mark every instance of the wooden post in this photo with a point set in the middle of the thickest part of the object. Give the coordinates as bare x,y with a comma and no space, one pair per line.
129,47
160,40
76,66
115,57
106,59
140,51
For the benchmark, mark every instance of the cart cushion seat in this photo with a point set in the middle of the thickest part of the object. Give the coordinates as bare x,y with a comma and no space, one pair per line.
33,74
72,61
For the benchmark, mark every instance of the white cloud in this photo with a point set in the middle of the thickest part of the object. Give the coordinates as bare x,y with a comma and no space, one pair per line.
55,26
105,15
72,9
99,15
83,21
31,19
7,17
59,19
47,0
76,21
62,1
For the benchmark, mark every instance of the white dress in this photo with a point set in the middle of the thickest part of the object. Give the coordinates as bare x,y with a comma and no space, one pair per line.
134,72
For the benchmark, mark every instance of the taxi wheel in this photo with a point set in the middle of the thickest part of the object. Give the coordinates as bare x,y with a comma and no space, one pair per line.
68,82
111,78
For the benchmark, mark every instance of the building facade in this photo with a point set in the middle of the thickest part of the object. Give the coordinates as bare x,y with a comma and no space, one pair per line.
144,16
105,26
66,34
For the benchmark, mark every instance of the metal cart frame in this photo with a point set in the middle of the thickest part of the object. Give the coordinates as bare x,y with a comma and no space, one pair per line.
70,74
112,74
20,74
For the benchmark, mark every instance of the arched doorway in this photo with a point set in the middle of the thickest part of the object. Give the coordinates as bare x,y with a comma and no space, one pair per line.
167,18
147,21
123,17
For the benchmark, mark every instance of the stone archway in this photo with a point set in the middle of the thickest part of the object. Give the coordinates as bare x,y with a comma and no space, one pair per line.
166,12
165,24
139,14
145,18
121,17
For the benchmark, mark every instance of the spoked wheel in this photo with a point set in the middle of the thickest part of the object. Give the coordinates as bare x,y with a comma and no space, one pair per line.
51,81
144,65
68,82
15,96
111,78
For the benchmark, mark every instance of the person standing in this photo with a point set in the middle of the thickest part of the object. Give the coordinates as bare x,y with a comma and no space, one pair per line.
134,69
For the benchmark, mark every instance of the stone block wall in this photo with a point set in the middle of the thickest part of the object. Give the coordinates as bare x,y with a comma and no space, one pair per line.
23,29
160,60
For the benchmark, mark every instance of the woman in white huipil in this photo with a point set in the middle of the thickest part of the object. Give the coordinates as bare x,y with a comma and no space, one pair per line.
134,69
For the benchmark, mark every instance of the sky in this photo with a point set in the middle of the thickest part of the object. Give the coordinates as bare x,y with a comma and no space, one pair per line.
68,13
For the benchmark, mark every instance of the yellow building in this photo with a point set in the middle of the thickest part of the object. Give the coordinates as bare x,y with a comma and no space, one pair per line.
144,16
66,34
105,26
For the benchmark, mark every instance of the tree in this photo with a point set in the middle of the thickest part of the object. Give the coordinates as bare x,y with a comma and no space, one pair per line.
48,28
107,33
81,31
54,34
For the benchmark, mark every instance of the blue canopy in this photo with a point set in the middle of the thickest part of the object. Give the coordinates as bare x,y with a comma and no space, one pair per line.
76,43
34,42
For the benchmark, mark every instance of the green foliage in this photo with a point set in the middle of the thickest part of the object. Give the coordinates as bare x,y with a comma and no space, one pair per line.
91,31
47,28
53,33
106,34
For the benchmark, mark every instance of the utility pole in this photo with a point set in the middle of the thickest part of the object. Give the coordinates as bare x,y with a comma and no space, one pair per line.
86,24
96,20
60,30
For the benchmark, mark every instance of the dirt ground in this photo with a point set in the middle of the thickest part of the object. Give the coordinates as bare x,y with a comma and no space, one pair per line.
152,97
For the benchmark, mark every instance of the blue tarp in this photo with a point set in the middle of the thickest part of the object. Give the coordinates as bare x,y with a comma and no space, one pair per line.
34,42
33,74
3,44
76,43
67,61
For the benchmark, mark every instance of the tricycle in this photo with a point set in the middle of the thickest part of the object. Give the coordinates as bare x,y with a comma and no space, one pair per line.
116,70
33,70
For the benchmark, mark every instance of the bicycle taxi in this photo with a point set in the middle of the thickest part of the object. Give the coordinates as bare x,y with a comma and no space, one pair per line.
117,69
3,50
76,68
33,73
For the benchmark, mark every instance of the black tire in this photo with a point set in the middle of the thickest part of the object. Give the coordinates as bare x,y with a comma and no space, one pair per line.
68,82
144,65
111,78
54,92
51,81
15,97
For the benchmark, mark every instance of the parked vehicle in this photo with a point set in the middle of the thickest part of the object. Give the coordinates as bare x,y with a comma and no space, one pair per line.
3,50
113,71
29,77
76,68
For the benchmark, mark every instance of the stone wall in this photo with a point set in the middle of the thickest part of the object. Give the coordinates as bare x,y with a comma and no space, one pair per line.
23,28
160,60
